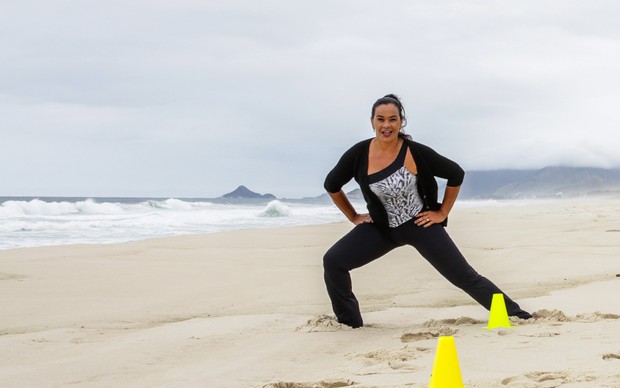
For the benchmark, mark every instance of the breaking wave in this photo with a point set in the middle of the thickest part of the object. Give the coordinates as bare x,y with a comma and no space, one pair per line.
48,221
276,208
37,207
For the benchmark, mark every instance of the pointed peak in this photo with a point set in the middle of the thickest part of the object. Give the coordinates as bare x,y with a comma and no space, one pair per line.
244,192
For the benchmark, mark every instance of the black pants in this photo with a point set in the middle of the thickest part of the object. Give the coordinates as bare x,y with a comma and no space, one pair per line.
366,243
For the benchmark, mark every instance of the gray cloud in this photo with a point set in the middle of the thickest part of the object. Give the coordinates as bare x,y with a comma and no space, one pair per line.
192,98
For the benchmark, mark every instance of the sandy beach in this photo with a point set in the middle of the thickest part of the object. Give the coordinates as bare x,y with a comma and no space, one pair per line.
249,308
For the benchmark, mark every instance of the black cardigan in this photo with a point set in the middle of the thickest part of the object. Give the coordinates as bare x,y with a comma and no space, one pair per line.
354,164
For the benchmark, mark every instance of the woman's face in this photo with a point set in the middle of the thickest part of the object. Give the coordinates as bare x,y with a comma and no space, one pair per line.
386,122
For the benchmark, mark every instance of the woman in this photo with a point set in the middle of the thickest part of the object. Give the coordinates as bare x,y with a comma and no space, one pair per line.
397,178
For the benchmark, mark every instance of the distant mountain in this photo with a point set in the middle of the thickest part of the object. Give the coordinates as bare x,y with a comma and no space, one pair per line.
546,182
355,194
244,192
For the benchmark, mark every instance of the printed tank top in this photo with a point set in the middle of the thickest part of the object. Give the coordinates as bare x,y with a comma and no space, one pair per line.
395,186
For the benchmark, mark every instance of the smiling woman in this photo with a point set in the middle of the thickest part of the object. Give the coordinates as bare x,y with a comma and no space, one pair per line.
388,121
397,178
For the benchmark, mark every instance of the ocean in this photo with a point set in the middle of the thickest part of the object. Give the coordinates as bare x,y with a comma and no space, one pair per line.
33,222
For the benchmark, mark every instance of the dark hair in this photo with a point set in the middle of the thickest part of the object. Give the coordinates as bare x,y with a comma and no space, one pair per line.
394,100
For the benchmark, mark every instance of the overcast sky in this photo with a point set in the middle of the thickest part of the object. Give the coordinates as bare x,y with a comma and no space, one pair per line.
193,98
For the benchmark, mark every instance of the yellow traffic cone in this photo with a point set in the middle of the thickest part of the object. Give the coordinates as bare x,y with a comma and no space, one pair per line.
446,371
498,316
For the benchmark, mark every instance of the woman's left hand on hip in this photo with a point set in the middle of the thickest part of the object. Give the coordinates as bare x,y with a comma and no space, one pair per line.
429,218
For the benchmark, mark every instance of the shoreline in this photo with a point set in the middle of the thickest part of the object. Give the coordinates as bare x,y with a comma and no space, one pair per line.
270,217
249,308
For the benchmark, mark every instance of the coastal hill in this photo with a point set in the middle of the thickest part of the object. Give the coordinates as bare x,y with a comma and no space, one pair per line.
243,192
548,182
545,182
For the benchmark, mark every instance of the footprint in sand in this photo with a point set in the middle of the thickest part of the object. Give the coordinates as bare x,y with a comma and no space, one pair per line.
541,335
428,334
549,316
322,323
454,321
558,317
11,276
549,380
395,359
595,317
317,384
537,379
611,356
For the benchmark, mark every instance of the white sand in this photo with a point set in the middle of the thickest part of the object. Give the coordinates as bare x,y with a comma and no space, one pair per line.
249,308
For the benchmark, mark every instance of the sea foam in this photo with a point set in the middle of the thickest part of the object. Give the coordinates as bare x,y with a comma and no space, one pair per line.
37,207
276,208
39,222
